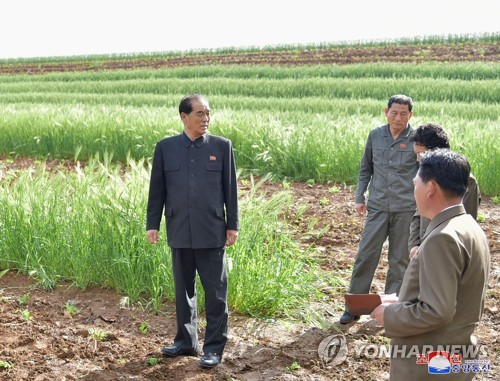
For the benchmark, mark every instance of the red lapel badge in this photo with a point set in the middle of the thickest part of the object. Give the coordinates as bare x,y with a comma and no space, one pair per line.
402,145
213,158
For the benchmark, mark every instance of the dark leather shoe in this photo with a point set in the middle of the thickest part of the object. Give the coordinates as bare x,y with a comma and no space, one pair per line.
175,351
210,360
347,318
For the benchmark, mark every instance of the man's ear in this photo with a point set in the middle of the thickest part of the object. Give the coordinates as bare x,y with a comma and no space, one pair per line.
432,188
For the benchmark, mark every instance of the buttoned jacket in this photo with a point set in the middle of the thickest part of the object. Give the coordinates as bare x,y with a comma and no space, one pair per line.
442,295
387,169
194,183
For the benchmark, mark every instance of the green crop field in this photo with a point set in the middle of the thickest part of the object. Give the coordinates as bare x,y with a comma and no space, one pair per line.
294,122
287,122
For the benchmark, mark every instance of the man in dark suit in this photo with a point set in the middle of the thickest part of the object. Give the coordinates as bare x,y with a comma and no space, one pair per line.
193,180
442,297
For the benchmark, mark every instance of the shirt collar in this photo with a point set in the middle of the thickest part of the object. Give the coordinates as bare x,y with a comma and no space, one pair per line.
197,142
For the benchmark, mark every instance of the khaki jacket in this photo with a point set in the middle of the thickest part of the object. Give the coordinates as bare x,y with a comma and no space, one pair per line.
442,295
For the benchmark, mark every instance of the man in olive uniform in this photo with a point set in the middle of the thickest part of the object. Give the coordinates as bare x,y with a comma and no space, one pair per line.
388,167
444,288
193,180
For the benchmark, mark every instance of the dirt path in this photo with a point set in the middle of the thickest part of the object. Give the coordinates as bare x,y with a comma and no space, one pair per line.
58,346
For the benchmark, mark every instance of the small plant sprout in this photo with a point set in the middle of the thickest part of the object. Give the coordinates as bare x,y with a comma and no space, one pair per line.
324,201
6,364
23,300
481,217
152,361
144,328
98,334
334,189
293,366
70,308
26,315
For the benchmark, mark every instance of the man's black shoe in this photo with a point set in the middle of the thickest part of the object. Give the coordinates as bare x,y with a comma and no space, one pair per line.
347,318
175,351
210,360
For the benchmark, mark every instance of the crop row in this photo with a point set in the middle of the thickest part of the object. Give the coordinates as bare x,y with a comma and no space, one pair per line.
87,226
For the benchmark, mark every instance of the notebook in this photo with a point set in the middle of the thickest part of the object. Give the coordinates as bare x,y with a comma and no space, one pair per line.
362,304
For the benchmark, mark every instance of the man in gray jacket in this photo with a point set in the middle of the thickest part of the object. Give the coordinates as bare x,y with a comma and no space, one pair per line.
387,167
193,181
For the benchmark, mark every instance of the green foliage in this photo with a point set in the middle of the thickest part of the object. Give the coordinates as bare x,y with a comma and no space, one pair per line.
98,334
6,364
144,328
152,361
23,300
293,366
26,315
72,220
481,217
298,123
70,308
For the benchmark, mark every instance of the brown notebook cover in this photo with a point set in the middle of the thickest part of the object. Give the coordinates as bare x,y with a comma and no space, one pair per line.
362,304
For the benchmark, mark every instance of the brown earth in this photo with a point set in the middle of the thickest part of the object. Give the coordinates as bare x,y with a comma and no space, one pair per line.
485,51
58,346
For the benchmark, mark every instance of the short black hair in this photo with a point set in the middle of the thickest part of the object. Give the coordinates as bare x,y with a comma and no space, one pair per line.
186,103
402,100
449,169
431,136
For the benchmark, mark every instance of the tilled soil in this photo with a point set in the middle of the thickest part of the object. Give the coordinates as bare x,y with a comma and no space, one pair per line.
57,346
485,51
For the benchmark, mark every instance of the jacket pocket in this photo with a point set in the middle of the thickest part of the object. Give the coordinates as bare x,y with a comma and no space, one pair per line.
171,167
214,167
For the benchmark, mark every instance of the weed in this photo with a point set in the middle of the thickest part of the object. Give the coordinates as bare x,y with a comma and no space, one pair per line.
26,315
6,364
144,329
293,366
481,217
71,308
98,334
23,300
324,201
152,361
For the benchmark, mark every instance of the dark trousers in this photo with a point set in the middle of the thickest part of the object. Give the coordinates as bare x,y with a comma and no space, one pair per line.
211,267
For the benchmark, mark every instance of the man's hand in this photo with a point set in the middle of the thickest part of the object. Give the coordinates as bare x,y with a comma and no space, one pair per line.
378,313
413,251
231,237
360,208
153,236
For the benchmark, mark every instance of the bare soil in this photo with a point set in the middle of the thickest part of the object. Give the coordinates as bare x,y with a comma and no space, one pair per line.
450,52
57,346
